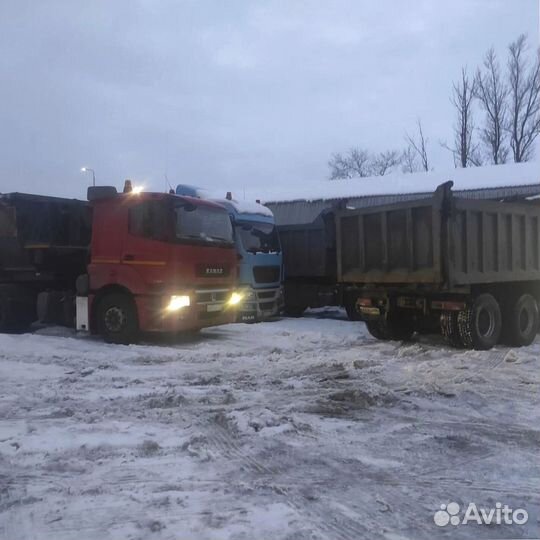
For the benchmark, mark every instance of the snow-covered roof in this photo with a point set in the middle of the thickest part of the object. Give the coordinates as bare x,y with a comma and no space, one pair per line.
240,207
473,178
245,207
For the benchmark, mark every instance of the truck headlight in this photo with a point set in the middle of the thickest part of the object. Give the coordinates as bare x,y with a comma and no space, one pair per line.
235,299
178,302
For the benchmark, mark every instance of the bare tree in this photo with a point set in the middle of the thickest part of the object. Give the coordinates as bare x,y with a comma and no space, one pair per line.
492,93
339,167
360,162
355,163
409,160
384,162
419,146
524,87
465,151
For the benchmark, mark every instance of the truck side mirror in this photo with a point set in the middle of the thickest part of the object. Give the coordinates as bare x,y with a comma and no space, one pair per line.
188,207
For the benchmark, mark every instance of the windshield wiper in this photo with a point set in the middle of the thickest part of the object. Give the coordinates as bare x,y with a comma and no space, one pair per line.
260,250
205,238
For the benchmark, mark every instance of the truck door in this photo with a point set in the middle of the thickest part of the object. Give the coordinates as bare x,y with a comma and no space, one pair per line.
145,246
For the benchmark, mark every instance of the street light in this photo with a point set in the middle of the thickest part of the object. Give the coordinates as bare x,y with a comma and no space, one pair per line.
88,169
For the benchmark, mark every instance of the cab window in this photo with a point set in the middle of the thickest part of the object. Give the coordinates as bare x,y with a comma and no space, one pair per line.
148,219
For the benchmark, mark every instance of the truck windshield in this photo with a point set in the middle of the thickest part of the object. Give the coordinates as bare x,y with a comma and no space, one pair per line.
259,237
203,224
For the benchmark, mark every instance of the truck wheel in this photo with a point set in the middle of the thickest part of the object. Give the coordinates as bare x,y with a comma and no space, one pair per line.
400,329
117,319
350,307
521,322
450,329
393,328
481,323
17,309
377,330
5,322
352,314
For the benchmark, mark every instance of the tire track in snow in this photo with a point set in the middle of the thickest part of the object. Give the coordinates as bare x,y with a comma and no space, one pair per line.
337,524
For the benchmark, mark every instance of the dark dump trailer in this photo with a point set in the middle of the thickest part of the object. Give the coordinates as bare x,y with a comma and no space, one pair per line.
310,267
467,268
44,244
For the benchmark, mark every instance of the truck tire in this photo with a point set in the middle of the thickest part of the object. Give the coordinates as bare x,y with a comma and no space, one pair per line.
521,322
481,323
377,330
401,329
17,309
352,313
5,314
117,319
349,303
450,329
391,329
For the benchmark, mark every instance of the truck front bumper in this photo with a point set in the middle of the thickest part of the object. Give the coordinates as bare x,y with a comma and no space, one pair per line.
260,304
207,307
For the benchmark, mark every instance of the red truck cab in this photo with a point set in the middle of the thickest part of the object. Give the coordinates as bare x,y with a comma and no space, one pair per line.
158,262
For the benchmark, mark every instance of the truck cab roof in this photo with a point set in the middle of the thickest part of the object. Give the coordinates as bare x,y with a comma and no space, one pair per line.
247,211
239,210
110,195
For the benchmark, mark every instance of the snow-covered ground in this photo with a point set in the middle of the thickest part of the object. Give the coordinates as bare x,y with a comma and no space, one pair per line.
295,429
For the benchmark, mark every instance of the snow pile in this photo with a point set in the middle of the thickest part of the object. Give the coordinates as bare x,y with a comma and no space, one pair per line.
473,178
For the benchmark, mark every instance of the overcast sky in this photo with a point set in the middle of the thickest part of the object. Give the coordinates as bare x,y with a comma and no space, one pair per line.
229,94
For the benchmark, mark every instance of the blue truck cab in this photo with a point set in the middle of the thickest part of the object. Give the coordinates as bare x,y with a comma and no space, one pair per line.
260,263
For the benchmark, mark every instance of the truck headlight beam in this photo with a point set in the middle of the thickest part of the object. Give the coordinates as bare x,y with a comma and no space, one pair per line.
235,299
178,302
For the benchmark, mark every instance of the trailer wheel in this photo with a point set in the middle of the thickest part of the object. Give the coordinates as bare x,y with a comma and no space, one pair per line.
450,329
352,313
481,323
377,330
391,328
117,319
17,309
521,322
5,322
350,306
400,329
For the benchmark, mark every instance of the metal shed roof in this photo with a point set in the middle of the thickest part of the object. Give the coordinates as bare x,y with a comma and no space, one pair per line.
299,212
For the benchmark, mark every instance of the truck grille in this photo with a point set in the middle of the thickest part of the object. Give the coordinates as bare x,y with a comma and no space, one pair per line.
266,274
209,315
212,296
